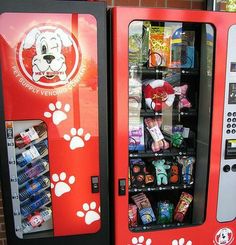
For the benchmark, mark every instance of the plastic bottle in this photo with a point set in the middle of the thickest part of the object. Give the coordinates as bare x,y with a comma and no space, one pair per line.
33,186
32,170
35,202
32,153
26,137
36,219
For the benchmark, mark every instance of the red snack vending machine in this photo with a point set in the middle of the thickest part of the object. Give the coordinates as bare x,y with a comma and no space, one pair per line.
174,126
54,151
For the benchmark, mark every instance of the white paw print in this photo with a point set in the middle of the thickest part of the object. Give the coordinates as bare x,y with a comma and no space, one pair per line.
61,187
76,140
181,242
57,113
89,213
141,241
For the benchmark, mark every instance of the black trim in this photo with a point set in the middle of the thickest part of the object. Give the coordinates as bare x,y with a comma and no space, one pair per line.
98,10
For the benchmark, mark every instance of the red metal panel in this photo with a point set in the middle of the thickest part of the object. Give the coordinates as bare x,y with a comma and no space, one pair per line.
122,17
26,99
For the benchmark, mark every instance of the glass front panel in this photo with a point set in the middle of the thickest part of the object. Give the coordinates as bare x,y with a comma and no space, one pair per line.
170,90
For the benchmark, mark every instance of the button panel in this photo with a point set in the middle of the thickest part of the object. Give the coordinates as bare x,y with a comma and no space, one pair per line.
231,122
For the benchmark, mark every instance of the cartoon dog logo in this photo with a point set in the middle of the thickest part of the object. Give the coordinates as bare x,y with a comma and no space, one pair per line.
48,63
224,237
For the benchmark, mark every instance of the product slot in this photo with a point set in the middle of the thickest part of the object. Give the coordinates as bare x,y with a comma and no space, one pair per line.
149,211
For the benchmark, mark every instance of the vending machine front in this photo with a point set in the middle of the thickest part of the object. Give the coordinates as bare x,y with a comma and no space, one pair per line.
54,150
174,126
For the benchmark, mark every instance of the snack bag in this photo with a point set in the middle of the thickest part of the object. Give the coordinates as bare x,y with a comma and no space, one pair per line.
133,215
159,46
182,206
144,208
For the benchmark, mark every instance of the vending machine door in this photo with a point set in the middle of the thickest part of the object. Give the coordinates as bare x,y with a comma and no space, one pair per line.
169,109
54,154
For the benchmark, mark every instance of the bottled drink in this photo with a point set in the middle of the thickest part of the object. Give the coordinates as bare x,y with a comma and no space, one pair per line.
36,219
32,153
33,186
35,202
26,137
32,170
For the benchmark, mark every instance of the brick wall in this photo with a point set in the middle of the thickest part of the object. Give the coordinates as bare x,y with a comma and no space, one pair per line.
2,224
183,4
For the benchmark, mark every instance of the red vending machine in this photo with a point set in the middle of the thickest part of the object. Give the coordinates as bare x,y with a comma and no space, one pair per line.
54,150
174,127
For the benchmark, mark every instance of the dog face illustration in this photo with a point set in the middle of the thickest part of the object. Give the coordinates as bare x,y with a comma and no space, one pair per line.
224,237
49,61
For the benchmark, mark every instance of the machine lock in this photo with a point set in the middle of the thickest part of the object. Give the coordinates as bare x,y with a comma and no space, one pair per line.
95,184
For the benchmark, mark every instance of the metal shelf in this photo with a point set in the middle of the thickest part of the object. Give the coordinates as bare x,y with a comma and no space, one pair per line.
154,227
162,188
164,153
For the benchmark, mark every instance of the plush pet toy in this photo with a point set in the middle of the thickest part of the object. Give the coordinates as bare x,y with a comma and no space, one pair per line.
161,174
183,101
159,94
174,174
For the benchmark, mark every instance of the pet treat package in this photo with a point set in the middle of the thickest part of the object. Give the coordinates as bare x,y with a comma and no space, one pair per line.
137,167
159,45
138,42
136,134
165,211
182,49
187,168
133,215
182,206
144,208
135,95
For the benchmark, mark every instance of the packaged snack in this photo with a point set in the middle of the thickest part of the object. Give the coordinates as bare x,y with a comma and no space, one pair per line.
137,169
26,137
133,215
165,211
136,134
187,168
159,46
144,208
182,206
